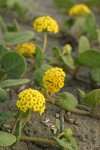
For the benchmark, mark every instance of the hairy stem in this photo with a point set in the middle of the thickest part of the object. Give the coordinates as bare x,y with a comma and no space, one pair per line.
80,112
14,125
39,140
26,119
83,107
45,42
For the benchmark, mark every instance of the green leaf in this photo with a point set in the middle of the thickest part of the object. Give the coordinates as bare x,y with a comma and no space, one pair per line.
90,58
68,61
73,143
3,95
10,3
13,27
83,44
3,50
39,56
82,93
98,31
68,133
90,27
13,82
20,9
95,74
92,98
56,52
39,73
18,129
68,23
64,4
67,101
13,38
58,124
92,2
6,139
3,3
2,72
64,143
5,117
14,64
2,25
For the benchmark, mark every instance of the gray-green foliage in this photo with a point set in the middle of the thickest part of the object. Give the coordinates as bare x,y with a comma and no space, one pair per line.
6,139
89,27
84,44
95,74
39,56
69,144
3,95
5,117
14,64
91,59
13,38
38,75
13,82
67,101
64,4
92,98
66,60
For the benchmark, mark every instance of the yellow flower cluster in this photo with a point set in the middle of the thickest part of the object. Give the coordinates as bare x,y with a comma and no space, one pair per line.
45,24
31,99
79,9
26,49
53,79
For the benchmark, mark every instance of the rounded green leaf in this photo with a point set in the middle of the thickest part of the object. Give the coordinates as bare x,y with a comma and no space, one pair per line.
95,74
92,98
83,44
6,139
3,95
3,50
5,117
90,58
14,64
39,73
67,101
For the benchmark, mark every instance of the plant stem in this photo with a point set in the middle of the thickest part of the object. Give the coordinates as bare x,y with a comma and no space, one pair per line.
80,112
61,116
83,107
75,110
45,42
14,125
60,135
26,119
40,140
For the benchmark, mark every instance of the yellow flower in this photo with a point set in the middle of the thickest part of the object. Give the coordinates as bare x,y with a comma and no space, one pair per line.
31,99
79,9
54,79
45,24
26,49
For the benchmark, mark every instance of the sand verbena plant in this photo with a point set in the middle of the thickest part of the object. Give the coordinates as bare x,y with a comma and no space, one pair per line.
45,24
